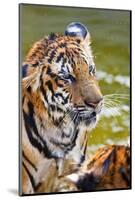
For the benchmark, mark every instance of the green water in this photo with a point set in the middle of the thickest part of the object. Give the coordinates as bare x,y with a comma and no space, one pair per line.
110,32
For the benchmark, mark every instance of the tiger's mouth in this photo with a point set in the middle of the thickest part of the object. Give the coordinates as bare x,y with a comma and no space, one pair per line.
82,114
75,116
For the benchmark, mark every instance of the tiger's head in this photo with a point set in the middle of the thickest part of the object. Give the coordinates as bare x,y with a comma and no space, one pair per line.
66,78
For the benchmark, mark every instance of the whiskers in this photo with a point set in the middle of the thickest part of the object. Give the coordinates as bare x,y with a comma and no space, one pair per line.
115,101
63,121
67,123
72,119
113,105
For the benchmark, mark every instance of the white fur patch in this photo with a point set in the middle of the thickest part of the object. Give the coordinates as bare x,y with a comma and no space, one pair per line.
73,29
73,177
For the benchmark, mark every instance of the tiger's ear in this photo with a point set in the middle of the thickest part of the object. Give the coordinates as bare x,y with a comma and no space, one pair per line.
76,29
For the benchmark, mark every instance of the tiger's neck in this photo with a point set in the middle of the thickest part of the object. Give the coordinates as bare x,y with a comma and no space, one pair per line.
53,141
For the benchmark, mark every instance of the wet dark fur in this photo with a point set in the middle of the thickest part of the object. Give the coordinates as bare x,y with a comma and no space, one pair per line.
109,168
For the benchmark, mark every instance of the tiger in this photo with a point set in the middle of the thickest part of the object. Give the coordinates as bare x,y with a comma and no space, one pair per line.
107,169
61,103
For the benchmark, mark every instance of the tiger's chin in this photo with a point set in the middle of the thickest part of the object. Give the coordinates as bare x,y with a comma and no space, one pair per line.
88,122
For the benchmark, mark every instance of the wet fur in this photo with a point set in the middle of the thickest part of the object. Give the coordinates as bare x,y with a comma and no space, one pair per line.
109,168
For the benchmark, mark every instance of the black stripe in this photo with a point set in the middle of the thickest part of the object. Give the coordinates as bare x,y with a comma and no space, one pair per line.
70,56
33,125
29,89
57,79
34,185
66,146
62,45
51,57
50,87
24,70
40,144
30,177
53,108
59,57
65,100
32,140
75,44
59,94
74,138
69,146
42,87
35,64
85,148
47,51
78,41
50,73
43,91
59,85
63,62
44,95
27,159
107,161
124,175
52,36
57,121
71,78
59,110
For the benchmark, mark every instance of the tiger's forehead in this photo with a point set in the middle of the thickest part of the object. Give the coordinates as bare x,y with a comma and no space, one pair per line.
67,49
59,52
63,41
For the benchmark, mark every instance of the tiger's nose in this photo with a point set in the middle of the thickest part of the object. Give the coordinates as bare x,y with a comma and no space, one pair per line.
94,104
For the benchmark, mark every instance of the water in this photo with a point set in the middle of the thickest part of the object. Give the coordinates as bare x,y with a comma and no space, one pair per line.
110,37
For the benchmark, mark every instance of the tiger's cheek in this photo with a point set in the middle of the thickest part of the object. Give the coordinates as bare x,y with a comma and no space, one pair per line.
63,99
62,94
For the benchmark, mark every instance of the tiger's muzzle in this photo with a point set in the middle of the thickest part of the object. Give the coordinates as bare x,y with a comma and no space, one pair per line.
86,113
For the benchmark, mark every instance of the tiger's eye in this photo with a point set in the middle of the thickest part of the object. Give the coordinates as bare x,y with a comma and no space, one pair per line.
66,76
